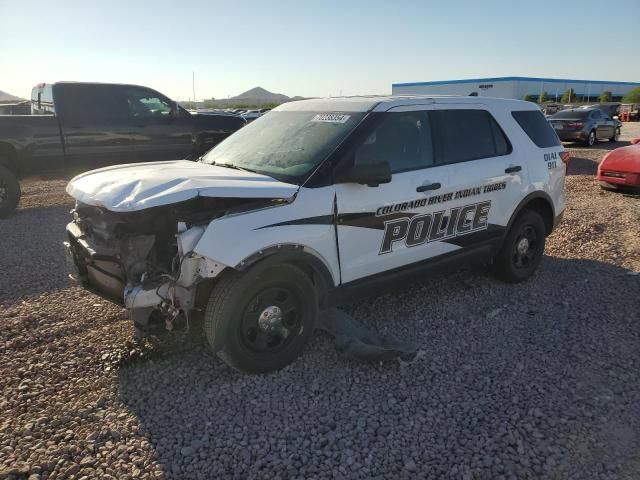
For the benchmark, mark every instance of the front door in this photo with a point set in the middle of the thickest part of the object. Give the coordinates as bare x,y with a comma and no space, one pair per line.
161,131
389,226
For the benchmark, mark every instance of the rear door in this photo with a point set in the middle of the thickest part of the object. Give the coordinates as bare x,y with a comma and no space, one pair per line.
388,226
94,124
486,174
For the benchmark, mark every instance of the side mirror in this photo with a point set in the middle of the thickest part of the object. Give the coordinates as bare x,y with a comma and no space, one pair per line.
371,174
615,117
635,141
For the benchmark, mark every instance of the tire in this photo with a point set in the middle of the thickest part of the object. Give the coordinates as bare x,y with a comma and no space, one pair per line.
240,299
616,136
9,192
513,263
591,139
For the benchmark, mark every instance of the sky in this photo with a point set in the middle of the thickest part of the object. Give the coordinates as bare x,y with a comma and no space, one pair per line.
308,48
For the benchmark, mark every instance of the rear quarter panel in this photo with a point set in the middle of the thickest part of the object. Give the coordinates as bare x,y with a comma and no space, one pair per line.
546,170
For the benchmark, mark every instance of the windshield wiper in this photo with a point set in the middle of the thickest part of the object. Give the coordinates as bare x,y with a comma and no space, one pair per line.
234,167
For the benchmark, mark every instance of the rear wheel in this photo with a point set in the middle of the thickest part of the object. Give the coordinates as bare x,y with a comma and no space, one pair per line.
591,139
261,320
9,192
616,136
523,248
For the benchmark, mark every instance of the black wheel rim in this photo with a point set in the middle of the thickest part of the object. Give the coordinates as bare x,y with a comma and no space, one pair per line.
271,320
525,248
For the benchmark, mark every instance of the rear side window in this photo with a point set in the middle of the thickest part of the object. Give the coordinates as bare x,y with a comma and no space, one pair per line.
537,128
87,102
463,135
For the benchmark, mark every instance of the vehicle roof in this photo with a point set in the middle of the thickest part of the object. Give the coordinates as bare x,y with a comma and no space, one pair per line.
383,103
69,82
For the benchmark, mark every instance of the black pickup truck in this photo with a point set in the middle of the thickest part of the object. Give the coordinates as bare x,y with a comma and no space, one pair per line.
76,127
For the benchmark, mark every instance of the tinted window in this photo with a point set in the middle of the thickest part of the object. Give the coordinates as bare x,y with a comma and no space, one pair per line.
572,114
401,139
143,103
537,128
461,135
596,114
90,102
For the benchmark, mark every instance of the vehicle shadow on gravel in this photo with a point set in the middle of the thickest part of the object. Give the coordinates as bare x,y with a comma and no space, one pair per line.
528,380
31,253
582,166
599,145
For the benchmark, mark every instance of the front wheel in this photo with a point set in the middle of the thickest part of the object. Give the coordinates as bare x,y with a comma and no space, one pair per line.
9,192
616,136
522,249
591,139
259,321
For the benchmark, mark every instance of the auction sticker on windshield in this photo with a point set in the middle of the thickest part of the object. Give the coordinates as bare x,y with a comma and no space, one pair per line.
331,118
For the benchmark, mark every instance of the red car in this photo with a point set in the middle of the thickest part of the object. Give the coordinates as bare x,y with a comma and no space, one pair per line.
621,167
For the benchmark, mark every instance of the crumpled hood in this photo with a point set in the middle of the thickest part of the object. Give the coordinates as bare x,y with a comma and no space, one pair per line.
137,186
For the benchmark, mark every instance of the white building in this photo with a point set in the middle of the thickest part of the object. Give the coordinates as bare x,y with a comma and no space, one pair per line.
517,87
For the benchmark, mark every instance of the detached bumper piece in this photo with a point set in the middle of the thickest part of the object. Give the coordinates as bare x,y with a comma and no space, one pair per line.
99,273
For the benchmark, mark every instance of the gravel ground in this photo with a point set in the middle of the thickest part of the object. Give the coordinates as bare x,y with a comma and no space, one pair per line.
538,380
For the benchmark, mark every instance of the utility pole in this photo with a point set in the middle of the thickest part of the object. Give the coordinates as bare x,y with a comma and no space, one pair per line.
193,84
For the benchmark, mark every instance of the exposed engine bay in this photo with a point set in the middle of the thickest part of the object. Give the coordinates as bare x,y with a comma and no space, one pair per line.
144,259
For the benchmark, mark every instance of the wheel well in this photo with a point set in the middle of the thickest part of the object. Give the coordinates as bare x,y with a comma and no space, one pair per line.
543,207
295,255
7,157
317,278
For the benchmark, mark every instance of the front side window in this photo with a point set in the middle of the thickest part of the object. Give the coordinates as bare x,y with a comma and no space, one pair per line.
401,139
143,103
463,135
286,145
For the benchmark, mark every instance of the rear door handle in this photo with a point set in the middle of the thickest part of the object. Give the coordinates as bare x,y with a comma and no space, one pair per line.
431,186
513,169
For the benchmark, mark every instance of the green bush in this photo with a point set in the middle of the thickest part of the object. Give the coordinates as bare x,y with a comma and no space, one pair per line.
544,97
529,98
605,96
633,96
569,96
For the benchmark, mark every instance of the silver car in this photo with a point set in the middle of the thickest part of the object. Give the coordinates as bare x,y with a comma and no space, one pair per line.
587,125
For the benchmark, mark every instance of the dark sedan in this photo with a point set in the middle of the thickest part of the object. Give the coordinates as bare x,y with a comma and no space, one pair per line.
586,125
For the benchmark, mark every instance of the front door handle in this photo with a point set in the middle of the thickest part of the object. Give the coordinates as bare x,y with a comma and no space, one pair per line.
513,169
431,186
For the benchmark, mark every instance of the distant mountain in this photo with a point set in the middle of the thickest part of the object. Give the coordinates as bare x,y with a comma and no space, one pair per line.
260,95
8,98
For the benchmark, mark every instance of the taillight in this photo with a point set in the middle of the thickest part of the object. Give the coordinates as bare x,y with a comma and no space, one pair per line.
565,157
574,124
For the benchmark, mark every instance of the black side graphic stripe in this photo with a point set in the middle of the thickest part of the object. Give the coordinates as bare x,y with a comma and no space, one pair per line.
369,219
319,220
362,220
492,232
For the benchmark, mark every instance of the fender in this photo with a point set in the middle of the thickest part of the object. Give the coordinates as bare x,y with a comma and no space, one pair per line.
523,203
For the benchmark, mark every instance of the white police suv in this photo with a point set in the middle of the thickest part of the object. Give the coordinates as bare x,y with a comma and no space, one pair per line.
308,203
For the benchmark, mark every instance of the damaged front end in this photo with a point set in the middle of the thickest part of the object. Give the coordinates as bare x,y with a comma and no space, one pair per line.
144,260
